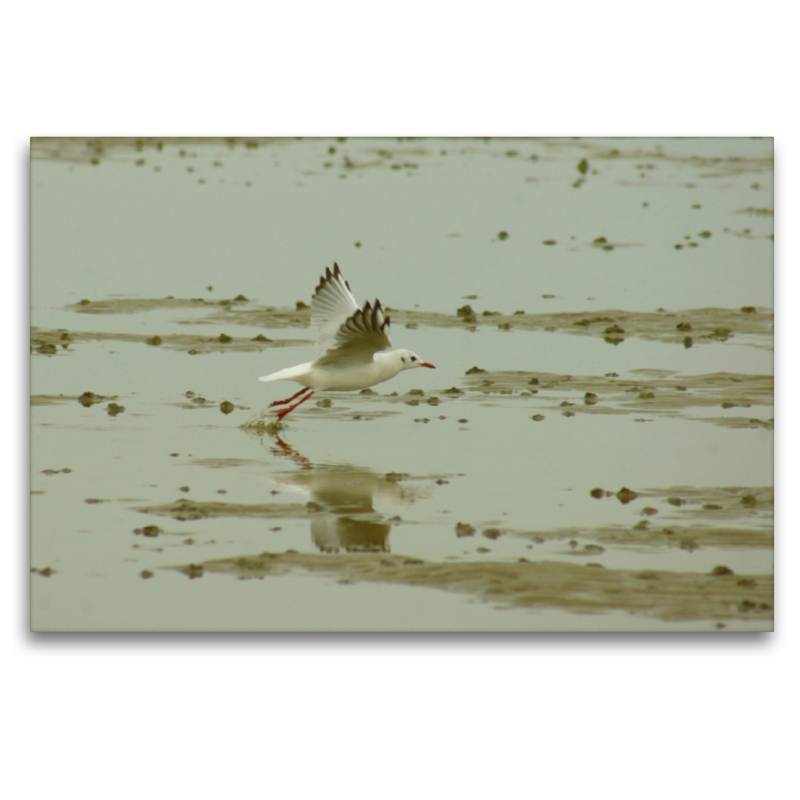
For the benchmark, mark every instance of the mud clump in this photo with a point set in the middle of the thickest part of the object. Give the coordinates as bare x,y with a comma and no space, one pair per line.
193,571
46,572
149,531
463,529
721,570
625,495
88,399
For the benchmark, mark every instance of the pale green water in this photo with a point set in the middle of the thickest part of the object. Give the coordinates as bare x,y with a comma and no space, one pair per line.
118,229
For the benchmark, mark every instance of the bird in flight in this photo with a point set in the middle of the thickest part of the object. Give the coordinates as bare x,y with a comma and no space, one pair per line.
349,352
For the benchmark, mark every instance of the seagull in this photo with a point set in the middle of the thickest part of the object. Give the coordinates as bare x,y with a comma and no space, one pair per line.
349,353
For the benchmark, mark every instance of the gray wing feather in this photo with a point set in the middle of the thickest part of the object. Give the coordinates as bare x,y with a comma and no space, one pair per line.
331,305
347,332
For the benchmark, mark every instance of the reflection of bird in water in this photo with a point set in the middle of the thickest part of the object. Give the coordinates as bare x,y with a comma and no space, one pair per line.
343,506
283,449
350,340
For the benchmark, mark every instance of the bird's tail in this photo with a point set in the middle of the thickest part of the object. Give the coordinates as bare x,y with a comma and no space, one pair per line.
288,374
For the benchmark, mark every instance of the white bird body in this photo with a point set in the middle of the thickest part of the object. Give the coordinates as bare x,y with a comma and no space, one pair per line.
350,341
329,378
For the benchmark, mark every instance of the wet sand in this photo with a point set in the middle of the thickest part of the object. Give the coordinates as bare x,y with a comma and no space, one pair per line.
685,327
582,589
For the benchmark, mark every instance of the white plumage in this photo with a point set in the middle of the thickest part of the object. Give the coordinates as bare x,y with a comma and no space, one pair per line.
351,339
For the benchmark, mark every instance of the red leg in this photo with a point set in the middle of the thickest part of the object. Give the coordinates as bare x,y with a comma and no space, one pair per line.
283,402
285,411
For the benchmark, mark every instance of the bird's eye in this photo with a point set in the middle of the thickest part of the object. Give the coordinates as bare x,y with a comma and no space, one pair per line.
413,358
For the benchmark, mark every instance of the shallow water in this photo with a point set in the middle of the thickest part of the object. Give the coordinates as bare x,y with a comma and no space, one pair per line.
496,472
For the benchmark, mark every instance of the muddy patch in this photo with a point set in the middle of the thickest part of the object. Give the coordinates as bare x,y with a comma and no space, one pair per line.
231,311
184,510
331,489
340,509
656,392
685,537
87,400
130,149
137,305
687,328
713,504
720,595
681,516
52,342
265,424
720,398
52,399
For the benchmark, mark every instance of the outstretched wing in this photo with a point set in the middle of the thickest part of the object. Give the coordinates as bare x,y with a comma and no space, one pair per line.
331,305
346,332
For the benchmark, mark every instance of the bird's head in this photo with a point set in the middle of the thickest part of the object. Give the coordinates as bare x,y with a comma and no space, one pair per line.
409,360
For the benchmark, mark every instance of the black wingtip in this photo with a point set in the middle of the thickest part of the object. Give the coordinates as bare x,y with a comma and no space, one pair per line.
386,319
322,281
338,274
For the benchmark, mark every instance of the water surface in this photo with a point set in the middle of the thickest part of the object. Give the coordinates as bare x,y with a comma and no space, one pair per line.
639,271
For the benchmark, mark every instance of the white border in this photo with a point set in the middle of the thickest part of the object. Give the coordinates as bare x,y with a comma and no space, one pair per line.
552,716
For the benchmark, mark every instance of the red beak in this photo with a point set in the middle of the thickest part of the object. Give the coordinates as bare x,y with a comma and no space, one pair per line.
426,364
